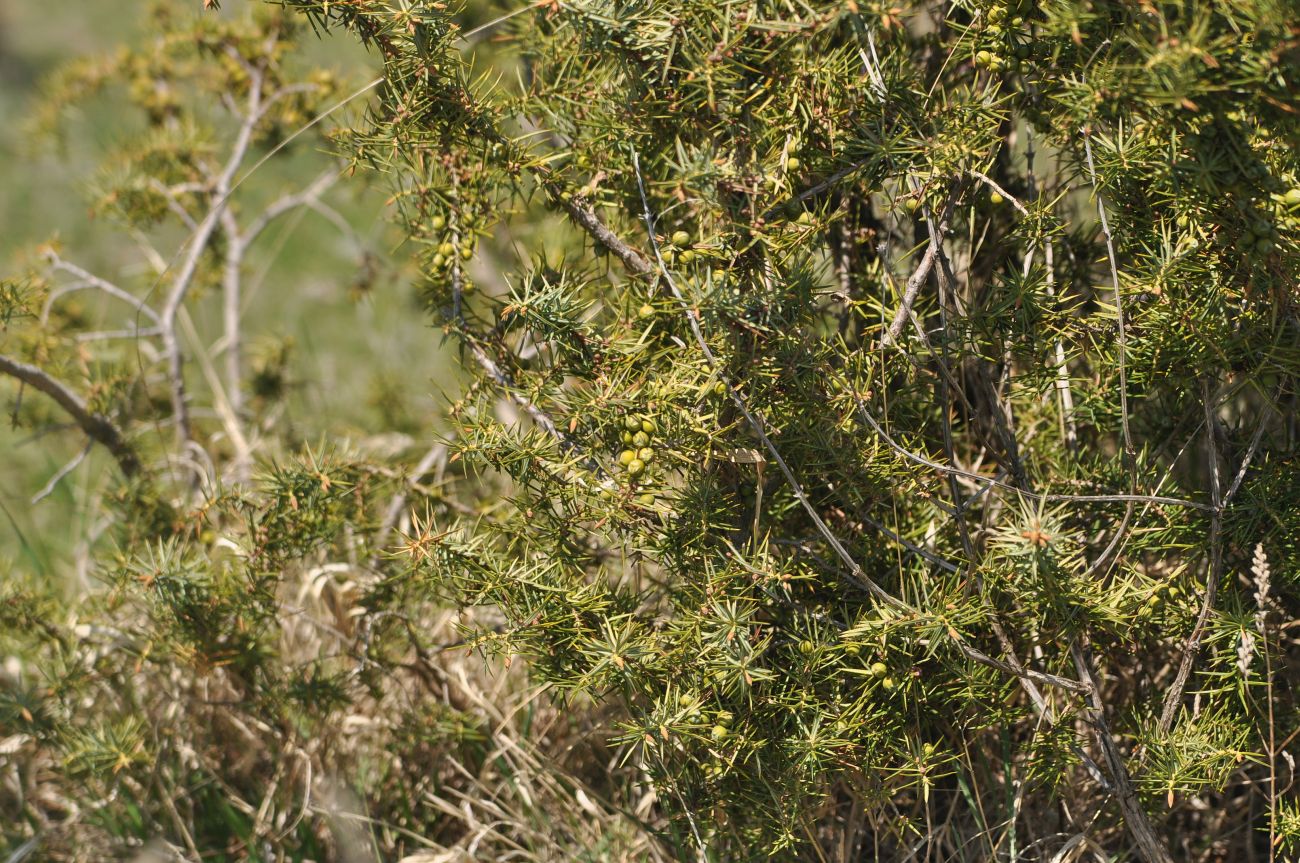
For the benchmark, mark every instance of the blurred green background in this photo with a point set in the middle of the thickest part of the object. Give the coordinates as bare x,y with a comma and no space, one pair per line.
360,362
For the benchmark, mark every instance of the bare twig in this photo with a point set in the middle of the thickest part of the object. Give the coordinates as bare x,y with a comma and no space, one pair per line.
221,191
232,284
68,468
1151,849
1214,568
100,428
90,280
1122,334
910,291
284,204
992,184
1249,457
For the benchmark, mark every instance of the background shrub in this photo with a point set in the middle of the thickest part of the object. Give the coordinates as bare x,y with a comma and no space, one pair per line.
876,439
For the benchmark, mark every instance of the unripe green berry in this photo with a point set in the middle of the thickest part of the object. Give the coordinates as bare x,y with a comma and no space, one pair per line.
632,424
648,426
626,457
635,467
640,439
879,669
646,311
437,223
687,256
996,199
681,238
719,733
646,454
792,163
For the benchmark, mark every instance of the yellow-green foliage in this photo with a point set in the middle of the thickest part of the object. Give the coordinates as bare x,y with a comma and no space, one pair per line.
882,439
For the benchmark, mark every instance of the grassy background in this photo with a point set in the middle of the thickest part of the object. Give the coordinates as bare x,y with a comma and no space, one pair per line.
360,363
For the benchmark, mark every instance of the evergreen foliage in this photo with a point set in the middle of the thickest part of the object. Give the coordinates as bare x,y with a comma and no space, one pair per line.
881,442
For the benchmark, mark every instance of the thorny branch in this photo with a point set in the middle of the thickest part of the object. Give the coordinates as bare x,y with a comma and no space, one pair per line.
98,427
756,423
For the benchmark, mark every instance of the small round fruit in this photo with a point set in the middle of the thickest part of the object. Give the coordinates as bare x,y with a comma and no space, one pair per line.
640,439
687,256
635,467
686,699
626,437
1292,197
725,717
646,499
646,454
626,457
994,29
927,750
852,648
806,647
681,238
911,205
996,199
720,388
446,249
879,669
437,223
439,261
984,58
719,733
648,426
646,311
632,424
466,253
888,683
792,163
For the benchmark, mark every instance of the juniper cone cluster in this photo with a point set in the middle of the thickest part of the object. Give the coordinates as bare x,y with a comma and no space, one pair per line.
877,442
